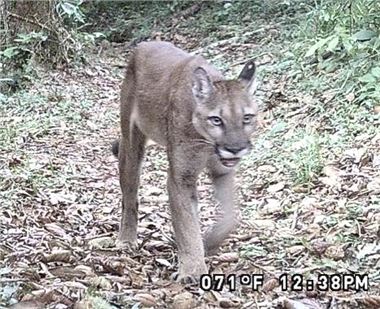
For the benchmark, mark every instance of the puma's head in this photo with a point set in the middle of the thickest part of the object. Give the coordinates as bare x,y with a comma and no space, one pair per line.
225,112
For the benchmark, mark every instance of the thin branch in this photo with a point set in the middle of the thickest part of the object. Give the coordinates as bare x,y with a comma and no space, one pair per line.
34,22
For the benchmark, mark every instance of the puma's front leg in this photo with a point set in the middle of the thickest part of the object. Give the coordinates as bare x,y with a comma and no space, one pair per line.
182,188
223,180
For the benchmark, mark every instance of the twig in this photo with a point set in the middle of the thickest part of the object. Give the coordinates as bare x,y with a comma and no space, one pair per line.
34,22
262,268
295,218
9,280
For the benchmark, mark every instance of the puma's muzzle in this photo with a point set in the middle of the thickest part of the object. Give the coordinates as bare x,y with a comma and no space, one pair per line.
230,155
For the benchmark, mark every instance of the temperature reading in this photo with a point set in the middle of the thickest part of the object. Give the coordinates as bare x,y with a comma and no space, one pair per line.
255,281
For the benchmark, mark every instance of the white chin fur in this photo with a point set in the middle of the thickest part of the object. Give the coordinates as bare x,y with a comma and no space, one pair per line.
229,155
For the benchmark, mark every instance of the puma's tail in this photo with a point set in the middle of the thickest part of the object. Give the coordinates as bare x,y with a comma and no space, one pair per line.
115,148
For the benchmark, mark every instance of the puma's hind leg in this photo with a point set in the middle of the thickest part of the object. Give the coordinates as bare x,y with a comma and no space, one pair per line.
131,152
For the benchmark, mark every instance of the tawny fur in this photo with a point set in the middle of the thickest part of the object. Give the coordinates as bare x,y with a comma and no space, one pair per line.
174,99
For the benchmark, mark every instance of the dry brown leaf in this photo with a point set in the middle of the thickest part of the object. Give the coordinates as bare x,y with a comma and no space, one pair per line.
228,257
145,299
101,282
184,300
84,304
355,153
55,229
295,250
332,178
374,185
263,224
334,252
319,246
101,243
270,285
272,206
87,270
267,168
350,97
163,262
276,187
28,305
59,255
67,272
372,301
306,303
224,302
376,109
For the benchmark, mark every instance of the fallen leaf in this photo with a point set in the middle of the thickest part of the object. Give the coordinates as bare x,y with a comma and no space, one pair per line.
101,282
301,304
225,302
374,185
184,300
146,299
319,246
295,250
163,262
55,229
333,176
367,249
372,301
59,255
27,305
270,285
350,97
334,252
272,206
263,224
228,257
267,168
101,243
276,187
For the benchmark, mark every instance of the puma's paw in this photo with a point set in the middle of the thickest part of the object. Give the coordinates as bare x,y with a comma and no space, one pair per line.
185,279
126,245
190,274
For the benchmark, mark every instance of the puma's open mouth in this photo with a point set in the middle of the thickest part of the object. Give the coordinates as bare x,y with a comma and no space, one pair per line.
230,162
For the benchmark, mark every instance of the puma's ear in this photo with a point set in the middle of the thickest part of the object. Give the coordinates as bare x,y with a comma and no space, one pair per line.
202,87
248,77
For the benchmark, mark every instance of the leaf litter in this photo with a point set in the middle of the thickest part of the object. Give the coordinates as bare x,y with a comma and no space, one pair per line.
61,207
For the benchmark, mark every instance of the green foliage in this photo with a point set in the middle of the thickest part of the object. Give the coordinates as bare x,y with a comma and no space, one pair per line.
71,11
121,21
57,40
352,15
25,45
346,38
307,159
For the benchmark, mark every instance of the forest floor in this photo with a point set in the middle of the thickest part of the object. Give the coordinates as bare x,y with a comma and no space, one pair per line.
309,199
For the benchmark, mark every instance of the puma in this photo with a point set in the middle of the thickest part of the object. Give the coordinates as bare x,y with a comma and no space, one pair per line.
204,121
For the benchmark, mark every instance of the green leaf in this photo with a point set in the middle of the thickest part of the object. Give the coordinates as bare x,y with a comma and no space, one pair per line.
317,46
376,72
333,44
364,35
367,78
10,52
68,8
347,45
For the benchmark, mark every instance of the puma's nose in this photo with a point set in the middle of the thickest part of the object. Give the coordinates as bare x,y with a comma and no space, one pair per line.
234,149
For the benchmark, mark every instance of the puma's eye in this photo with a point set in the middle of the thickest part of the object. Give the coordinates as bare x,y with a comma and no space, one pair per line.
247,119
216,121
